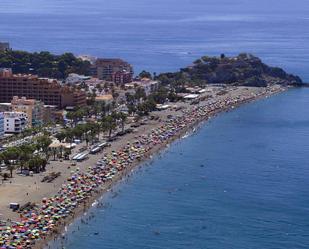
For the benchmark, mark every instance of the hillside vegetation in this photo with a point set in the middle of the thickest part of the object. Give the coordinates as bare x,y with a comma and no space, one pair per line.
244,69
43,63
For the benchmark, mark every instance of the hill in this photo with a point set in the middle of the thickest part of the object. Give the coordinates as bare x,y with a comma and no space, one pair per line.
43,63
244,69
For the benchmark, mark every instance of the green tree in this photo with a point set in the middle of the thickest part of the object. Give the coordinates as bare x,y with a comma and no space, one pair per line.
139,94
60,136
10,155
11,169
44,63
109,124
25,153
145,74
43,143
131,109
103,108
123,117
35,164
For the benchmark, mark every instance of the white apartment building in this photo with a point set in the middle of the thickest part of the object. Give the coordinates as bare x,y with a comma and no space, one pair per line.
148,85
15,122
1,124
74,79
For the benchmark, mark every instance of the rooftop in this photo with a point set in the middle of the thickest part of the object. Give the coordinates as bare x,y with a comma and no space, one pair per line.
23,101
106,97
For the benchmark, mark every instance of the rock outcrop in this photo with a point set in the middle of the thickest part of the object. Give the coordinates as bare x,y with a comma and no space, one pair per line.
244,69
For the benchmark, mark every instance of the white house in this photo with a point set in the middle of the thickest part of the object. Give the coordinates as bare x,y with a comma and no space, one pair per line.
15,122
74,78
148,85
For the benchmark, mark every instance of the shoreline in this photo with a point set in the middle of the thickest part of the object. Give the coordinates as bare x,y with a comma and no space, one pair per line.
99,191
190,129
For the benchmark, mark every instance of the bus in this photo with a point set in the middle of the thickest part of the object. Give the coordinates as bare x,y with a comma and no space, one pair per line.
82,157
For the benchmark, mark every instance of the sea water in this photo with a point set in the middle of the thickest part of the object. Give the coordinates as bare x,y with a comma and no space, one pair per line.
240,181
162,35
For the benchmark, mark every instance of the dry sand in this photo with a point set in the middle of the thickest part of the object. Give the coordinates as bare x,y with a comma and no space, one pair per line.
22,189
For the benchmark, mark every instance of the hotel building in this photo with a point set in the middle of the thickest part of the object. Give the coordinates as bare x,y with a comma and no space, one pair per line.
33,108
50,92
112,69
121,78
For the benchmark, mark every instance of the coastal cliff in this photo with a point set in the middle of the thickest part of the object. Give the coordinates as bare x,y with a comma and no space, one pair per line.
242,70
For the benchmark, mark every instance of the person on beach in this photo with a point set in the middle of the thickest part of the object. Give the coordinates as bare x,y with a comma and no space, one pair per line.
42,220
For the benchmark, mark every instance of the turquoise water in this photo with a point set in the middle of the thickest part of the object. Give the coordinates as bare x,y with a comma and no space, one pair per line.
241,181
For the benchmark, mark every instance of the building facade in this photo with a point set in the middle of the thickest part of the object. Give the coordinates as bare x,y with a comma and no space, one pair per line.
104,69
74,79
51,114
33,108
121,78
5,107
15,122
1,124
107,98
5,72
50,92
149,86
4,46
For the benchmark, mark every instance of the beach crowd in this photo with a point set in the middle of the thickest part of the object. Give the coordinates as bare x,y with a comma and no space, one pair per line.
46,218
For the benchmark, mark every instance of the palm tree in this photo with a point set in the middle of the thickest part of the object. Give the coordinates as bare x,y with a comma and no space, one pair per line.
103,126
139,94
32,165
95,130
67,153
43,164
95,109
69,135
123,117
109,124
72,117
103,108
131,109
11,169
2,158
10,156
108,108
54,151
87,139
24,156
25,153
43,143
79,131
60,136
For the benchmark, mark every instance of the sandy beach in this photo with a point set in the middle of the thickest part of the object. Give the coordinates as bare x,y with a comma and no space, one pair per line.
118,160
